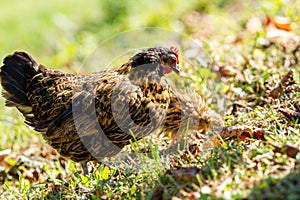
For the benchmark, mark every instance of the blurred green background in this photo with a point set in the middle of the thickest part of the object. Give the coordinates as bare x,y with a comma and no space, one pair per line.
60,33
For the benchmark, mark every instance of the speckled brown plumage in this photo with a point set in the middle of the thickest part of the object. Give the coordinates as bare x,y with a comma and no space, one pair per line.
89,117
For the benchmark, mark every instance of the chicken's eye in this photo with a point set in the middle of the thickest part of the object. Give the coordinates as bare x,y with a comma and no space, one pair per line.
172,60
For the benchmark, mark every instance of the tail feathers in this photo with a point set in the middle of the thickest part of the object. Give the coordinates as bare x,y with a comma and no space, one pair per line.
17,70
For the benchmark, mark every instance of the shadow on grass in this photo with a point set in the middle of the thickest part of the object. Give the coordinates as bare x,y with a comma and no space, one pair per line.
272,188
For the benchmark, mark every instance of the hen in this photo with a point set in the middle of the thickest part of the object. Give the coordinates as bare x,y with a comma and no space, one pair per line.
86,118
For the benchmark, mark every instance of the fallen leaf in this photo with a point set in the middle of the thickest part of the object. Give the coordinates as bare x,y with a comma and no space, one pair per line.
235,132
98,192
4,154
279,31
186,174
280,89
194,149
224,70
288,149
242,131
290,114
279,27
31,150
276,92
48,152
158,193
283,23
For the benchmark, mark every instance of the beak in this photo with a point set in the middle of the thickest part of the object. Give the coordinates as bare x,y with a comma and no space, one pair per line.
176,69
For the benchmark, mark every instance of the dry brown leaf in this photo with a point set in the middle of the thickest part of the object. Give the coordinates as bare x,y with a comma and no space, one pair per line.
28,174
224,70
276,92
4,154
288,149
31,150
98,192
194,149
279,31
279,28
49,153
242,132
283,23
280,89
158,193
186,174
290,114
35,175
235,132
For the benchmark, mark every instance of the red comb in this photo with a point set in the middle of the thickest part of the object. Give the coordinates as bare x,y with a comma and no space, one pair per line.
175,50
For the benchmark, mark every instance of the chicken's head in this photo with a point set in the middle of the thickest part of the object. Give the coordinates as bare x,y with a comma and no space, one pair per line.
164,59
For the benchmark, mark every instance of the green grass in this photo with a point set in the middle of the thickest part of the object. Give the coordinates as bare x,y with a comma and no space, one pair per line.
61,34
